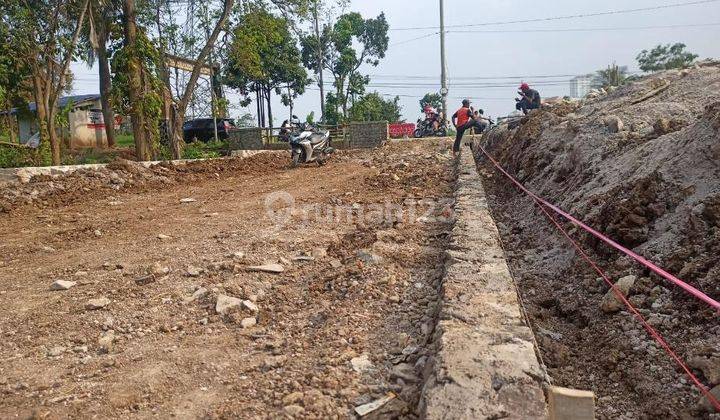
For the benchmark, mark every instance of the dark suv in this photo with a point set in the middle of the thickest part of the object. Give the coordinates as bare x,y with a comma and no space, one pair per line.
202,129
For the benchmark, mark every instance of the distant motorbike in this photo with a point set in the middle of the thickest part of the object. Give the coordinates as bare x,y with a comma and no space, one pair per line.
425,128
309,144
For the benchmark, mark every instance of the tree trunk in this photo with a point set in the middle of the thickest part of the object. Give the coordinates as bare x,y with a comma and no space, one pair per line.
105,85
54,140
41,111
135,82
270,118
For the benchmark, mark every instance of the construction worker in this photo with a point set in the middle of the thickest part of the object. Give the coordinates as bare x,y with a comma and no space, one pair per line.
462,120
530,99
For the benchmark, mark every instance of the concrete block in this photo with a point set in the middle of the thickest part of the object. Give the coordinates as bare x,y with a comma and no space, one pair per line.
571,404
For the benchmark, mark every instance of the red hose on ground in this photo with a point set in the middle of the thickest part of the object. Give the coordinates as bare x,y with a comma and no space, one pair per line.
618,294
688,288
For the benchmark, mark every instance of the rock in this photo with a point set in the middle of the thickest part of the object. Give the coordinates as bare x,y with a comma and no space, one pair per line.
226,304
97,232
361,363
163,237
610,303
614,124
24,176
56,351
106,341
293,398
62,285
284,261
293,410
95,304
248,322
368,257
319,252
237,256
705,405
193,271
335,263
159,270
710,367
404,371
199,293
250,306
188,200
268,268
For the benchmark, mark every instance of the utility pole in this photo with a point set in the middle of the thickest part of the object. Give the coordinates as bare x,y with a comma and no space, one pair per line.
443,63
320,61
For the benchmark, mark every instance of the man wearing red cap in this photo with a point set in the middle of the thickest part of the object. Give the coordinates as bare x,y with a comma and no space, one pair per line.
530,99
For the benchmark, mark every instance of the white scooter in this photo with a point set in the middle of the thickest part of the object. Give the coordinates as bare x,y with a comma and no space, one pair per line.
308,144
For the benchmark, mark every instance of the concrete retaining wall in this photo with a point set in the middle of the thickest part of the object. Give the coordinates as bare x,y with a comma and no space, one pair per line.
365,135
485,365
246,139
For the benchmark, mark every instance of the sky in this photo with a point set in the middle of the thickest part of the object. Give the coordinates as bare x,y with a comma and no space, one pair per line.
481,55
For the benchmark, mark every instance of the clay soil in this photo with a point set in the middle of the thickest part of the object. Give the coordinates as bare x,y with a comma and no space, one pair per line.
353,285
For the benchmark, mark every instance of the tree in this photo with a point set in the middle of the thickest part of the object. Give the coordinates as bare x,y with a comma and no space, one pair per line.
373,107
432,99
665,57
102,28
342,60
44,36
264,57
613,75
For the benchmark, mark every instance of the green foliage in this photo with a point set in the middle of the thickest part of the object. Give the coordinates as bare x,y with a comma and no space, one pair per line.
16,156
264,54
200,150
373,107
613,75
245,120
310,119
665,57
151,102
332,107
432,99
338,43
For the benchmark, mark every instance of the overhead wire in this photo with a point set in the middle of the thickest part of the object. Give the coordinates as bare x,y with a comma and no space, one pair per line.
565,17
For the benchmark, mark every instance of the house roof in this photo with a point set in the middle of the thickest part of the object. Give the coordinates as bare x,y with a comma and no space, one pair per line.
62,102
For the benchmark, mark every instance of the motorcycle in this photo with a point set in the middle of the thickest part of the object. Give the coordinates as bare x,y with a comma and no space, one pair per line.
309,145
425,129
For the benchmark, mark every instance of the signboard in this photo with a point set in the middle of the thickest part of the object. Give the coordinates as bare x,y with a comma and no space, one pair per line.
95,120
398,130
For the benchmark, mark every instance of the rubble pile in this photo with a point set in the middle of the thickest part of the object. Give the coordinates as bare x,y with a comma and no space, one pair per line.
640,163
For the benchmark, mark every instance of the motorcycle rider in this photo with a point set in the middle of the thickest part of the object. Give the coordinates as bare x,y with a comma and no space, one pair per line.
462,120
530,99
431,117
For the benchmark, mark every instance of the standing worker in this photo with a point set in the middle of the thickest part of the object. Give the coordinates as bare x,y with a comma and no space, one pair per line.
530,99
462,120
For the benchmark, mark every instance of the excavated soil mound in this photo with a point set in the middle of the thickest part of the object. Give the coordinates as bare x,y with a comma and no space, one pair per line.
642,165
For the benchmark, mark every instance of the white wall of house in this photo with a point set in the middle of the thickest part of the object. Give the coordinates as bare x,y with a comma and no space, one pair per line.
86,126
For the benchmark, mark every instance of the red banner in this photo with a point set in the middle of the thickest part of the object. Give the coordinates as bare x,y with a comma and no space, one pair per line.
401,130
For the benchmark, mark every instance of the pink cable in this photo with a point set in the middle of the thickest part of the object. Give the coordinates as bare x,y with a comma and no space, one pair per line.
688,288
653,333
618,294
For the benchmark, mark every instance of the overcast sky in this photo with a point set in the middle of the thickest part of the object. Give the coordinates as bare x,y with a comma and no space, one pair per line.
505,58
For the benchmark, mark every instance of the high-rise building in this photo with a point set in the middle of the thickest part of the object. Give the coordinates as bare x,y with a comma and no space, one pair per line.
580,86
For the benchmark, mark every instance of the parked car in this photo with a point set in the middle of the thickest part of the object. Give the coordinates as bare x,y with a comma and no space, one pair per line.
202,129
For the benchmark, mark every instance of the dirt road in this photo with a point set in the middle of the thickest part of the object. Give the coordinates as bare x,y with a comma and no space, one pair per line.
359,285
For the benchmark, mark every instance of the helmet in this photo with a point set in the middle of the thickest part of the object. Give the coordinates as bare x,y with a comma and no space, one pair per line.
524,87
466,103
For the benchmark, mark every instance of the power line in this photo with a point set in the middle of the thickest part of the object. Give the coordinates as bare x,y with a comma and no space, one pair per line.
627,28
414,39
583,15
